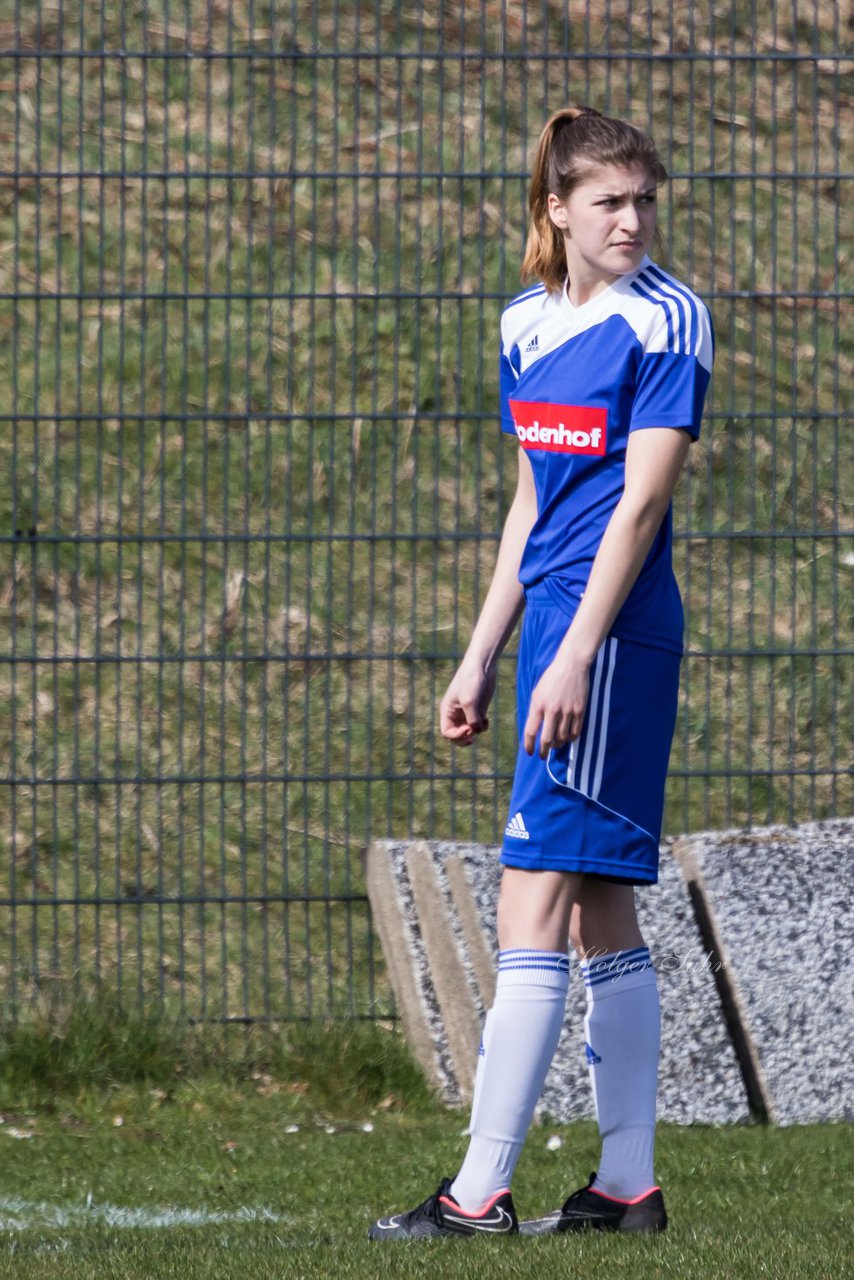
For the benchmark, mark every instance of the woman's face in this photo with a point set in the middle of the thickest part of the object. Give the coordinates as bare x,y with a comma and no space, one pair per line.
608,222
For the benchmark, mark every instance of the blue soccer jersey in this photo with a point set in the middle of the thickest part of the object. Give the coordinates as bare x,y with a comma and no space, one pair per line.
575,381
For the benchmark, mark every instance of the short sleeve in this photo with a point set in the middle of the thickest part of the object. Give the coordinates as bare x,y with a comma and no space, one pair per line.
675,368
510,365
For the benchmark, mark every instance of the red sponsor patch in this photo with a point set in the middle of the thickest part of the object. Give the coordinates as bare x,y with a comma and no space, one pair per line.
560,428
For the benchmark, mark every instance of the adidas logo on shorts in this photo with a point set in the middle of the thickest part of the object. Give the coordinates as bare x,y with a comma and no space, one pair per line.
533,345
516,828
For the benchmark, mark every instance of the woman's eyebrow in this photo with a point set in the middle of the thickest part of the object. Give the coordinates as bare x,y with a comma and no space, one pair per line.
613,195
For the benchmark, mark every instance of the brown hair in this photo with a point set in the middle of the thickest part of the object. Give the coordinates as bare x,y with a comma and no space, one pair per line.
574,141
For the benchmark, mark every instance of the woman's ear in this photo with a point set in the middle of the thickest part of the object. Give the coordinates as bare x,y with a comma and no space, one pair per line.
557,212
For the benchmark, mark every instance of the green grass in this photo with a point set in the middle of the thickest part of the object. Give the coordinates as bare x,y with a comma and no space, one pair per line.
98,1044
237,586
746,1202
114,1126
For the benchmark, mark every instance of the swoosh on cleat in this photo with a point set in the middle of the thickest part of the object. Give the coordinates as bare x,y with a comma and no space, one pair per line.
503,1222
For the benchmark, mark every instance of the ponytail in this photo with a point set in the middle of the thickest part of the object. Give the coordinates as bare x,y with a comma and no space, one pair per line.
545,256
574,141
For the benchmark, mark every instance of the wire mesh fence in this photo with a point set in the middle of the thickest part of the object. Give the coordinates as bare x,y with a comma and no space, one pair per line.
252,258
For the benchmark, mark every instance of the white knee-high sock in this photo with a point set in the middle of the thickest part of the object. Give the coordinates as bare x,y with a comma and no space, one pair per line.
520,1037
481,1062
622,1027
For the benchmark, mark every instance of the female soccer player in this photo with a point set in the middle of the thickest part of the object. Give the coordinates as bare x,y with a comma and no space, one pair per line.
604,369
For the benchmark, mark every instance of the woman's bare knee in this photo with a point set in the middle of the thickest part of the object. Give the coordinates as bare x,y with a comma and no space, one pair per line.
603,918
534,908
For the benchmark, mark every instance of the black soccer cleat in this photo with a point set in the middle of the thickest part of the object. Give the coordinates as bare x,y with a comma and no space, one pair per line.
440,1215
591,1210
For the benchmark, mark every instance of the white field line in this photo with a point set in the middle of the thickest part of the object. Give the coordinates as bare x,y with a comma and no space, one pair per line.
32,1215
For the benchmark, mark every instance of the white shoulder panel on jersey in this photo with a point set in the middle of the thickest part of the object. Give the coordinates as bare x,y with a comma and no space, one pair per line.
538,322
664,314
521,322
671,316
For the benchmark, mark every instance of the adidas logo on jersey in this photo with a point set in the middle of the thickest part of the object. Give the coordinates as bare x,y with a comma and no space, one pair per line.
516,828
533,345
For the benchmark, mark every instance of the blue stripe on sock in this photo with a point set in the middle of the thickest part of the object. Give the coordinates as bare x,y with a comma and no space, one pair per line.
635,957
530,951
614,957
615,966
542,968
539,957
615,977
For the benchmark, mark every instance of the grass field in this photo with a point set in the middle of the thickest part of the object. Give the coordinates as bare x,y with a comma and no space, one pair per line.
252,478
276,1167
87,1197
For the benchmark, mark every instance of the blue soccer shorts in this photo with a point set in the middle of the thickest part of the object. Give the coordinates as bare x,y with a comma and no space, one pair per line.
594,805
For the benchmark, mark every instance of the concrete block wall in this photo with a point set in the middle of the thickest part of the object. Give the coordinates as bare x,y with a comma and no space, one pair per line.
749,932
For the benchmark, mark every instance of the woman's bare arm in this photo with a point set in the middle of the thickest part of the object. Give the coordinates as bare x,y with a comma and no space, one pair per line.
464,706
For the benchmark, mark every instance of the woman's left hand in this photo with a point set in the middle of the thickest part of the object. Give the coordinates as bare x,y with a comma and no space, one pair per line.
558,704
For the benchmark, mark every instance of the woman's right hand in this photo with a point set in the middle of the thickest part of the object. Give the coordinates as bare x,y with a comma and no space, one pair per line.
462,711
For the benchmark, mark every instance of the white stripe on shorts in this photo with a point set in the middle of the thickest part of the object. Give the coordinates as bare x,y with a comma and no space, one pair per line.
606,711
598,714
570,768
590,726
